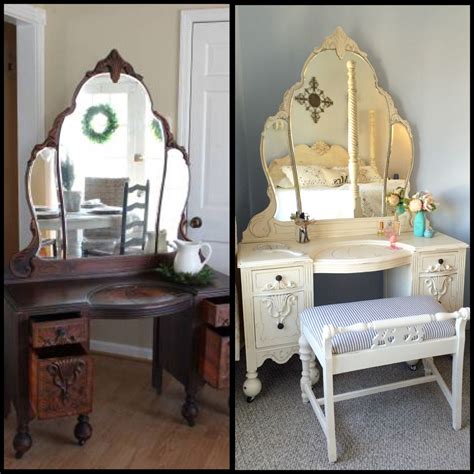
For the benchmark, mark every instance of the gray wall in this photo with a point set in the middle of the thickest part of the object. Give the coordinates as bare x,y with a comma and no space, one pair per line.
421,57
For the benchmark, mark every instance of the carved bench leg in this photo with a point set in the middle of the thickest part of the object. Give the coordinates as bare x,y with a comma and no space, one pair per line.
22,441
83,430
305,357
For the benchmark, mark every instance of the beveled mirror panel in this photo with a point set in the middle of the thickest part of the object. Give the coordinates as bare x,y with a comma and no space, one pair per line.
333,112
108,179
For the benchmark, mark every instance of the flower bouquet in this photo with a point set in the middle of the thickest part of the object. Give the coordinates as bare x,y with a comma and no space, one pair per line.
419,203
398,200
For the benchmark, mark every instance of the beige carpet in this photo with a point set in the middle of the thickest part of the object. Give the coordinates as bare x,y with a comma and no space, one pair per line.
404,429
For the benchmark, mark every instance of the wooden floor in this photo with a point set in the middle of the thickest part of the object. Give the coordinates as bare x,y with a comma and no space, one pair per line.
133,426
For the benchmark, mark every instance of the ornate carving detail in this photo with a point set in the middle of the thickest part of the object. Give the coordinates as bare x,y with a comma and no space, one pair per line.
279,355
440,267
339,41
279,285
397,336
115,65
432,284
314,99
277,122
64,373
279,306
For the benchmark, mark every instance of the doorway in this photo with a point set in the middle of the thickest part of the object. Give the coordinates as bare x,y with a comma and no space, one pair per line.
204,127
10,145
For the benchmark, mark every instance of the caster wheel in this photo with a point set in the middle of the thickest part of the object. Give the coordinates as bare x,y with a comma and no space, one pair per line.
250,399
413,367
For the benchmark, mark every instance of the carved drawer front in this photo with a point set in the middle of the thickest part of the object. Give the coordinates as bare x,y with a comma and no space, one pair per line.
216,311
264,281
276,318
437,262
60,381
214,361
439,278
48,333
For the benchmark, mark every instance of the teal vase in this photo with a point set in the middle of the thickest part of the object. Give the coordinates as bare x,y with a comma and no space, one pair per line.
399,209
419,224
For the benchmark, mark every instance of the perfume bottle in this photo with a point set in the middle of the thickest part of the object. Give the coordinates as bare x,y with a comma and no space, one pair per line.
380,230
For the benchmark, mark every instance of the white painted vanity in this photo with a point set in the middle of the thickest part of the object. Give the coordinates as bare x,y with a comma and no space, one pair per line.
320,114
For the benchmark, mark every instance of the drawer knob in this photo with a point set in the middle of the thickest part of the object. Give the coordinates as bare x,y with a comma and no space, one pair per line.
440,261
278,278
280,326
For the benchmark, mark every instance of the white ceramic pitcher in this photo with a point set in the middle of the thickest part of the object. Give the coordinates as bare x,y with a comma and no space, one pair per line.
187,258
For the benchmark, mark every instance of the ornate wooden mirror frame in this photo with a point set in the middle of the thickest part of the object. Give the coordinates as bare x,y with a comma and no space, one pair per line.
263,226
26,263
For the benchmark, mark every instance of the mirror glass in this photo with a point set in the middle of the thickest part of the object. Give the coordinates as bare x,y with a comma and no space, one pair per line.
318,114
275,151
44,197
115,173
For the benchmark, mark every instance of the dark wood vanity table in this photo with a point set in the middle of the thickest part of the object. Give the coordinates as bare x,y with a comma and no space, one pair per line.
176,345
48,302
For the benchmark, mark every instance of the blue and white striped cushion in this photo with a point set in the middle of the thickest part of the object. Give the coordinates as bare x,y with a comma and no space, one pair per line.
345,314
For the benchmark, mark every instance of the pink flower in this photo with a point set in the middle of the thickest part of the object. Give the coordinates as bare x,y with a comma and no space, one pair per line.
415,205
428,203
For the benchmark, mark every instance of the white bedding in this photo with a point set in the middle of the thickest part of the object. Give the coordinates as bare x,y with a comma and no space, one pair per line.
324,202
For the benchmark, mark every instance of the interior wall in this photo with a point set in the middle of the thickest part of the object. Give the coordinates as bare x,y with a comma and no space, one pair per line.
421,57
147,36
10,145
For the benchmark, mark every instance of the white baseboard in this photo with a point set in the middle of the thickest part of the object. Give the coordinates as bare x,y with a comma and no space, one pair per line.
121,349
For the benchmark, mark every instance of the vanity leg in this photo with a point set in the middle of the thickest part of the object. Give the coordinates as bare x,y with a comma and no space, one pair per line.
252,385
190,409
22,441
83,430
157,369
313,370
413,364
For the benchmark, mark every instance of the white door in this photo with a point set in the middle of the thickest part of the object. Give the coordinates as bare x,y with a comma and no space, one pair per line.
208,145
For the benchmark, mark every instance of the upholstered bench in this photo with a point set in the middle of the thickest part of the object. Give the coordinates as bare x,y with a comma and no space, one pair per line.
354,336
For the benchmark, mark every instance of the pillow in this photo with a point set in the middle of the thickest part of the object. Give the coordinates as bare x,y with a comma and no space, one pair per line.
277,176
368,174
308,176
334,177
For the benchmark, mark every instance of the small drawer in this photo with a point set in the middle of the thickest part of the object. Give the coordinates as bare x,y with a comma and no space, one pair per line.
61,381
439,262
264,281
216,311
57,332
215,356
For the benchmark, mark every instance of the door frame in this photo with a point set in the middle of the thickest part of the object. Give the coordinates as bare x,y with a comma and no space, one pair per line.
188,19
30,23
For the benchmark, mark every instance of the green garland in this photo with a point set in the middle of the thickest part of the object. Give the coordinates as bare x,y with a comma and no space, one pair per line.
112,123
156,128
202,278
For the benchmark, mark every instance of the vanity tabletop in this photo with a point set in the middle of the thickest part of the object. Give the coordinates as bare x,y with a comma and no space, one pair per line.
359,249
37,297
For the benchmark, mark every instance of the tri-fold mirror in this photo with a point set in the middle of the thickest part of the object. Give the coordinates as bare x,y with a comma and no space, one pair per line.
338,145
109,180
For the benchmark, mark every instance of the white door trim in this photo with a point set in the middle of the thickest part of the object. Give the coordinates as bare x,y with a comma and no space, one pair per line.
188,18
30,22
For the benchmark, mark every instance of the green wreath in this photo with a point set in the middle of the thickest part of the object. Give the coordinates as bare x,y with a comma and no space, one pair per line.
156,128
112,123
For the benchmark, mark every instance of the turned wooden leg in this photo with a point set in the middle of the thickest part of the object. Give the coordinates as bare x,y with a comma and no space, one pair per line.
83,430
157,369
190,409
22,441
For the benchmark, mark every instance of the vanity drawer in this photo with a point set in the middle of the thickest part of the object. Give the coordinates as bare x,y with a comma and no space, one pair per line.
47,333
214,362
61,381
439,262
216,311
277,279
276,318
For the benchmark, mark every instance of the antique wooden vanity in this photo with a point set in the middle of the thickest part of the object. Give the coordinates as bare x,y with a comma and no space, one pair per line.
99,259
334,150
